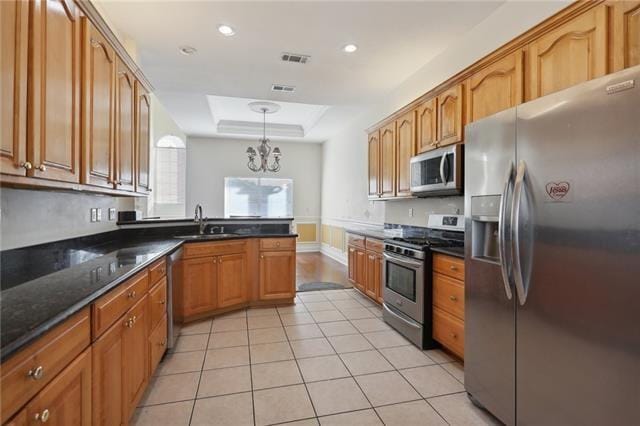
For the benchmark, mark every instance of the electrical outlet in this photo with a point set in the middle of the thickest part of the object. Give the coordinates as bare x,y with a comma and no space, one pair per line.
410,212
94,215
112,213
99,216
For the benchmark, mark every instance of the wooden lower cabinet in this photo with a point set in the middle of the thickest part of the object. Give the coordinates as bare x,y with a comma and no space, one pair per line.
374,276
365,265
361,270
136,355
351,262
66,400
157,344
277,275
199,292
231,279
448,302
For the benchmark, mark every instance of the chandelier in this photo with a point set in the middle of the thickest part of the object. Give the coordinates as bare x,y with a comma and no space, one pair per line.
264,149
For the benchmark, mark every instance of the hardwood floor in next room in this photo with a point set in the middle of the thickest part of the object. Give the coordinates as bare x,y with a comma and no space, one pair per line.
317,267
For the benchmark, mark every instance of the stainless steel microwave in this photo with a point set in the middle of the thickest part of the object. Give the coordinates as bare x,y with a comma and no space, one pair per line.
438,172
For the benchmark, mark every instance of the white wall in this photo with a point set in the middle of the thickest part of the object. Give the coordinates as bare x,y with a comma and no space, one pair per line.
344,180
210,160
33,217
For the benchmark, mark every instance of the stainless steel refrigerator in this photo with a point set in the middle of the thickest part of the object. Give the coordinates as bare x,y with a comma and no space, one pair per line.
552,221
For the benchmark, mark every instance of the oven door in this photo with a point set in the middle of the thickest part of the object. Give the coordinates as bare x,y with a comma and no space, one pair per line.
403,280
437,172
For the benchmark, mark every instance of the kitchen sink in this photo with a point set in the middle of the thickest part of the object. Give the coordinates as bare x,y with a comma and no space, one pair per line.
205,236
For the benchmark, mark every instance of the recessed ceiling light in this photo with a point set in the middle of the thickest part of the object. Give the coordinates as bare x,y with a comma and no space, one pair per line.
226,30
187,50
350,48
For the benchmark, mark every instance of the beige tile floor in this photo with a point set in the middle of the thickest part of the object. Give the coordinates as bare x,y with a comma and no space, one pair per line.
327,360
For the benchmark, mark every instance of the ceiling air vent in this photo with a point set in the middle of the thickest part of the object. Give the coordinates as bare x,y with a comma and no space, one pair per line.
282,88
295,57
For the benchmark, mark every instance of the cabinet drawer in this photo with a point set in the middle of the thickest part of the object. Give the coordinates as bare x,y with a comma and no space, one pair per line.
448,294
213,249
112,305
157,302
449,265
157,344
449,331
374,245
277,243
355,240
157,271
27,372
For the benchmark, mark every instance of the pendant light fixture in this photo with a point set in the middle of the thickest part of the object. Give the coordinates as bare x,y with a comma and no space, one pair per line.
264,149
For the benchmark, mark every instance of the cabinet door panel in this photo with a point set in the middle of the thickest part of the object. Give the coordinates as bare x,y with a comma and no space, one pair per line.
573,53
277,274
54,87
198,286
406,137
14,24
232,279
626,34
99,98
496,87
373,276
388,160
108,370
125,147
136,355
66,401
361,270
450,116
143,108
426,124
374,164
379,289
352,264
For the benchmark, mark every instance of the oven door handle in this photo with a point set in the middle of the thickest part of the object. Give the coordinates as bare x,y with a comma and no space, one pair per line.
402,261
407,321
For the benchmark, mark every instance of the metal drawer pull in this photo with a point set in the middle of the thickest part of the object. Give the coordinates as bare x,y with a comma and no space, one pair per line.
453,298
131,294
162,302
42,417
37,373
453,268
26,165
42,168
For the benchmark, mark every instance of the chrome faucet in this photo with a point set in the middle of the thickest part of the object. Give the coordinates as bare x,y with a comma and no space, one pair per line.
202,221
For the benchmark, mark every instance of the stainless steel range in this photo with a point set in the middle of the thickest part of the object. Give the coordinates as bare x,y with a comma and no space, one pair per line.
407,276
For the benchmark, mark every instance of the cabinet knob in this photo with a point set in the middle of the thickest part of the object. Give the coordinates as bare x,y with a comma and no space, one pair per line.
453,335
262,256
277,243
42,168
164,342
42,417
131,294
129,323
453,298
36,373
453,268
162,302
26,165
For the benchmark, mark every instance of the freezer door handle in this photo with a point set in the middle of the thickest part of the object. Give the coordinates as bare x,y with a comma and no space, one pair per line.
515,230
505,261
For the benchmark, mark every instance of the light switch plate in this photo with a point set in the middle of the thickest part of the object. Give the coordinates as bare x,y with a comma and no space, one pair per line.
94,215
410,212
112,213
99,216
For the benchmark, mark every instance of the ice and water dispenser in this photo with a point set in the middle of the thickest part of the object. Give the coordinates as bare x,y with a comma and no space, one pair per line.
484,227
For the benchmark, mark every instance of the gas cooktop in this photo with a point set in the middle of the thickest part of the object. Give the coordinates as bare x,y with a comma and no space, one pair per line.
422,243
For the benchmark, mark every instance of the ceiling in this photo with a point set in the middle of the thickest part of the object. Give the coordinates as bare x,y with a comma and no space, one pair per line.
394,40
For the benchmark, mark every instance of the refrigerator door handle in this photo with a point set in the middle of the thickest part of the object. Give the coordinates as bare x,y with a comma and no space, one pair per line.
505,262
515,231
442,176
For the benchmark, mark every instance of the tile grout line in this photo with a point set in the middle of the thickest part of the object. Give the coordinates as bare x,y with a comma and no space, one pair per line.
253,401
204,359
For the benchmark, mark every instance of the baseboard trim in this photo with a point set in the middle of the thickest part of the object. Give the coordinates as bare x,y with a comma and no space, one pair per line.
307,247
336,255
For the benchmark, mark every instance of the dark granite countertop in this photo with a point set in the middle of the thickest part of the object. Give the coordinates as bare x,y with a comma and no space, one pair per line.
46,284
451,251
238,219
379,234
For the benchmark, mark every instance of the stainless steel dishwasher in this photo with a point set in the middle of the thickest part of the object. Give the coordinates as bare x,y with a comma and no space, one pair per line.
173,327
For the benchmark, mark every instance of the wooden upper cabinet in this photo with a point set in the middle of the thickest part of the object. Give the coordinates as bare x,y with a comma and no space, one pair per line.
450,116
374,164
66,400
426,125
573,53
388,160
14,24
54,91
406,142
232,279
626,34
495,88
99,108
125,134
199,293
143,109
277,275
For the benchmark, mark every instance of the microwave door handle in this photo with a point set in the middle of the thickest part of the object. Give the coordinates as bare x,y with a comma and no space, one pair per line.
442,176
515,231
502,234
